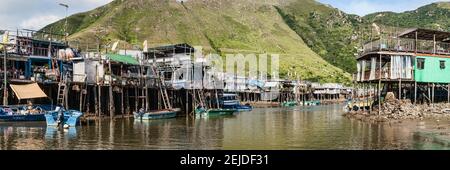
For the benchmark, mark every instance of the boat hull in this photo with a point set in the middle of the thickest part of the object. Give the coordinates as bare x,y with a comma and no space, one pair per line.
71,118
22,118
239,108
215,112
19,113
167,114
290,104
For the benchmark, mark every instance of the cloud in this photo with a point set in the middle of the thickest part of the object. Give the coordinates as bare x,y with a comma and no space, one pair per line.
34,14
38,22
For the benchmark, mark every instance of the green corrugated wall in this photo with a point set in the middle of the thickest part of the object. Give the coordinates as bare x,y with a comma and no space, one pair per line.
432,73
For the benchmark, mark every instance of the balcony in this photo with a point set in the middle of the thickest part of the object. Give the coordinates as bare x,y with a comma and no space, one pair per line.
407,45
385,76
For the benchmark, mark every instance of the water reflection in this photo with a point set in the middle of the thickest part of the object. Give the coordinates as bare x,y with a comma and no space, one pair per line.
320,127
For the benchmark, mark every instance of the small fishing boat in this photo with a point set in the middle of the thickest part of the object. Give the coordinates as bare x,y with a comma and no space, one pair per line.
289,104
62,117
312,103
21,113
25,112
230,101
214,112
160,114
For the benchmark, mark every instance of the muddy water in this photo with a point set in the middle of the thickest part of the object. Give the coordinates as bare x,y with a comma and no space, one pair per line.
320,127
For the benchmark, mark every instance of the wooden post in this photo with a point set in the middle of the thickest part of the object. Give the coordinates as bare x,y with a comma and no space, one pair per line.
429,95
415,92
379,87
111,96
136,99
81,99
127,100
5,81
432,93
187,102
122,110
448,93
97,112
400,89
100,100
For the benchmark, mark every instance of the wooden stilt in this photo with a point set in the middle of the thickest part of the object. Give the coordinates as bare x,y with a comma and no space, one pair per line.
448,93
432,93
100,100
112,110
415,92
97,112
121,102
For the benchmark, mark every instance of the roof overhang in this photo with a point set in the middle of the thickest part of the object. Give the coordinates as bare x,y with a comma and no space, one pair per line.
426,34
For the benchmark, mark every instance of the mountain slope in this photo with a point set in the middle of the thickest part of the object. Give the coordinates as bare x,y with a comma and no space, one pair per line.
225,26
328,31
433,16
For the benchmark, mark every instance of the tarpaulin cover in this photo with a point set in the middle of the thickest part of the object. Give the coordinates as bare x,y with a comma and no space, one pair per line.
28,91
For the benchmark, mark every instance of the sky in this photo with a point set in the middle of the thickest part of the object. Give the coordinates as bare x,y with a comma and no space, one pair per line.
364,7
35,14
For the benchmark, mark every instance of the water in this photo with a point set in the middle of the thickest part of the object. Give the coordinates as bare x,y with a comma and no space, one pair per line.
321,127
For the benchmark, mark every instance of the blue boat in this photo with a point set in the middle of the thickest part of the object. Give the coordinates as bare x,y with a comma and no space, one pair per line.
159,114
63,117
19,113
26,112
230,101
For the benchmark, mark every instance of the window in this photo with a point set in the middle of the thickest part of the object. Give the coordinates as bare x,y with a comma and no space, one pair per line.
420,63
442,64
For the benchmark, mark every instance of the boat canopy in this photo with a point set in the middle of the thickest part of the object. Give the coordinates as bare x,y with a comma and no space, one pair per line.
28,91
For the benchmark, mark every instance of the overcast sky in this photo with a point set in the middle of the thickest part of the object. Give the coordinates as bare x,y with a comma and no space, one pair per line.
364,7
34,14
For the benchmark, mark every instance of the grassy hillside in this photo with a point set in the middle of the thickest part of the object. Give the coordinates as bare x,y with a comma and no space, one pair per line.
225,26
329,32
433,16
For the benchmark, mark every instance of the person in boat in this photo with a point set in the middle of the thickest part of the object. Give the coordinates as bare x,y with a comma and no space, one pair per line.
141,111
60,117
30,108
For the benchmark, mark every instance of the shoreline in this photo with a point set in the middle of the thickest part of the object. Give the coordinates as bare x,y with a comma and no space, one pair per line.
394,109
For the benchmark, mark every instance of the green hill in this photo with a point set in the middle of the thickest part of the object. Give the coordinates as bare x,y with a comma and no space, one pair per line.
433,16
225,26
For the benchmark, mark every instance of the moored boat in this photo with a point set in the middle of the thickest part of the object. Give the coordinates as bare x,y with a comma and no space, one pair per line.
25,112
159,114
214,112
230,101
63,117
289,104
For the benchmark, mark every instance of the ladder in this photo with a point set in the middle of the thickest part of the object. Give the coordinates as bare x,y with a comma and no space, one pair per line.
62,92
201,97
162,88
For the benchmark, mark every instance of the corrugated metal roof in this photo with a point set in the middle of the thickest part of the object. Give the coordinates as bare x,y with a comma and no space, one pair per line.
126,59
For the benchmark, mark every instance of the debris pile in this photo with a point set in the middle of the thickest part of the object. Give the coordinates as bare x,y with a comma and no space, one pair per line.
395,109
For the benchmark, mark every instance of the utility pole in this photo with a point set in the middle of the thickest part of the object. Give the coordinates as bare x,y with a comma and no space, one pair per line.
5,87
65,23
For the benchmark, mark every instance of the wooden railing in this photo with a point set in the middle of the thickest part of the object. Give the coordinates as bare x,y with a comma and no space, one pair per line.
407,45
385,75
